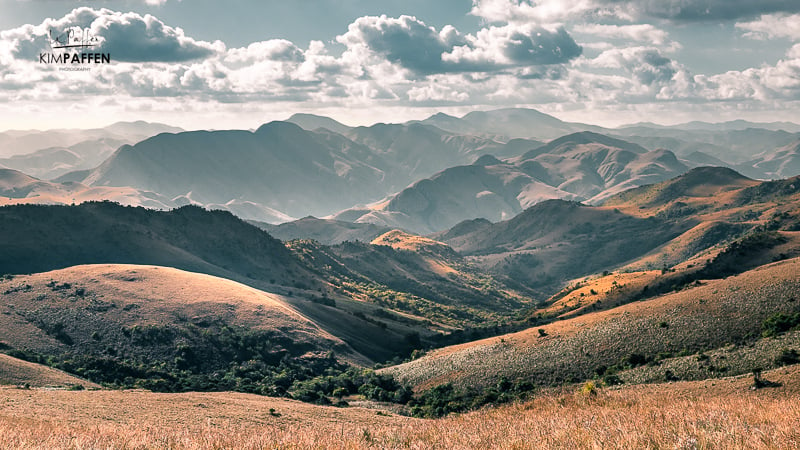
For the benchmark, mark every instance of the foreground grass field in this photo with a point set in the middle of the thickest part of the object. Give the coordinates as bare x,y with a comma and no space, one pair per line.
722,413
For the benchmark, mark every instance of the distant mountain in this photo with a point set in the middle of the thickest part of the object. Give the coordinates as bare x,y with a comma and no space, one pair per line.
421,150
735,147
312,122
21,142
324,231
583,166
282,171
722,126
510,122
280,166
783,162
53,162
698,159
18,188
448,123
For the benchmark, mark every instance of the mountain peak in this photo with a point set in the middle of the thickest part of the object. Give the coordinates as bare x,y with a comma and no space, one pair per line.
487,160
311,122
565,143
279,126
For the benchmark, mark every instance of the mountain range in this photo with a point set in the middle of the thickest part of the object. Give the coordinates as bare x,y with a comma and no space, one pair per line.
422,176
582,166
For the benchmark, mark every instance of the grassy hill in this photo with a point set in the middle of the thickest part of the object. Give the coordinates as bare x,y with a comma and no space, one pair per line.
160,328
15,371
706,316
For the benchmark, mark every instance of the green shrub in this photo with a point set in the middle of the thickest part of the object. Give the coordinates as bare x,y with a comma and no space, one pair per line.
779,323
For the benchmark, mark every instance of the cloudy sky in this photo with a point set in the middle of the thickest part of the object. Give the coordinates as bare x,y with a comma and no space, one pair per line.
239,63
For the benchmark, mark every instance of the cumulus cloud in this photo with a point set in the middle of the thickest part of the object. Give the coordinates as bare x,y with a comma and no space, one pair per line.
523,54
129,37
772,26
532,11
409,43
557,11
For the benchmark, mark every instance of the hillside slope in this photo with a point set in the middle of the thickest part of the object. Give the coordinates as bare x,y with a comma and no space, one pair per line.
15,371
709,316
148,322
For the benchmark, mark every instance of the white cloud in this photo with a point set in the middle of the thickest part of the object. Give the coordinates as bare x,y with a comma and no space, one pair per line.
397,63
421,50
537,11
639,32
772,26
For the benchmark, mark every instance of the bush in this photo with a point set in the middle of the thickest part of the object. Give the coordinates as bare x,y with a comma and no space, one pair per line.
779,323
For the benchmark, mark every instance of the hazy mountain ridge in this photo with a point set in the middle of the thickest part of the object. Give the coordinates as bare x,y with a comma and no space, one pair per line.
324,231
280,171
289,170
18,188
508,122
582,166
86,142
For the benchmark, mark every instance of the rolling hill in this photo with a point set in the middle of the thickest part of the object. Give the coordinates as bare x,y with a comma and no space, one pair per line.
15,371
645,228
383,302
705,317
105,322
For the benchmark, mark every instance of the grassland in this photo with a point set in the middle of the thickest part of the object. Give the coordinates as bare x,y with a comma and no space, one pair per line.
708,414
14,371
705,316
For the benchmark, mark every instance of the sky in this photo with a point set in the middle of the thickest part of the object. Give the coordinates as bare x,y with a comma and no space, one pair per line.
240,63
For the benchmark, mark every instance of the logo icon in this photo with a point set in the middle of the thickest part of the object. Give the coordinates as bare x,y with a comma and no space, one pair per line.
73,37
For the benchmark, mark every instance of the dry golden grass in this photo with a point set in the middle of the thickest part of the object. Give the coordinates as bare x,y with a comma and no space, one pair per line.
689,415
124,295
430,248
605,290
703,317
16,371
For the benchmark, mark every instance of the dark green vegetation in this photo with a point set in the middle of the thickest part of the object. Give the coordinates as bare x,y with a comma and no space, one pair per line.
38,238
